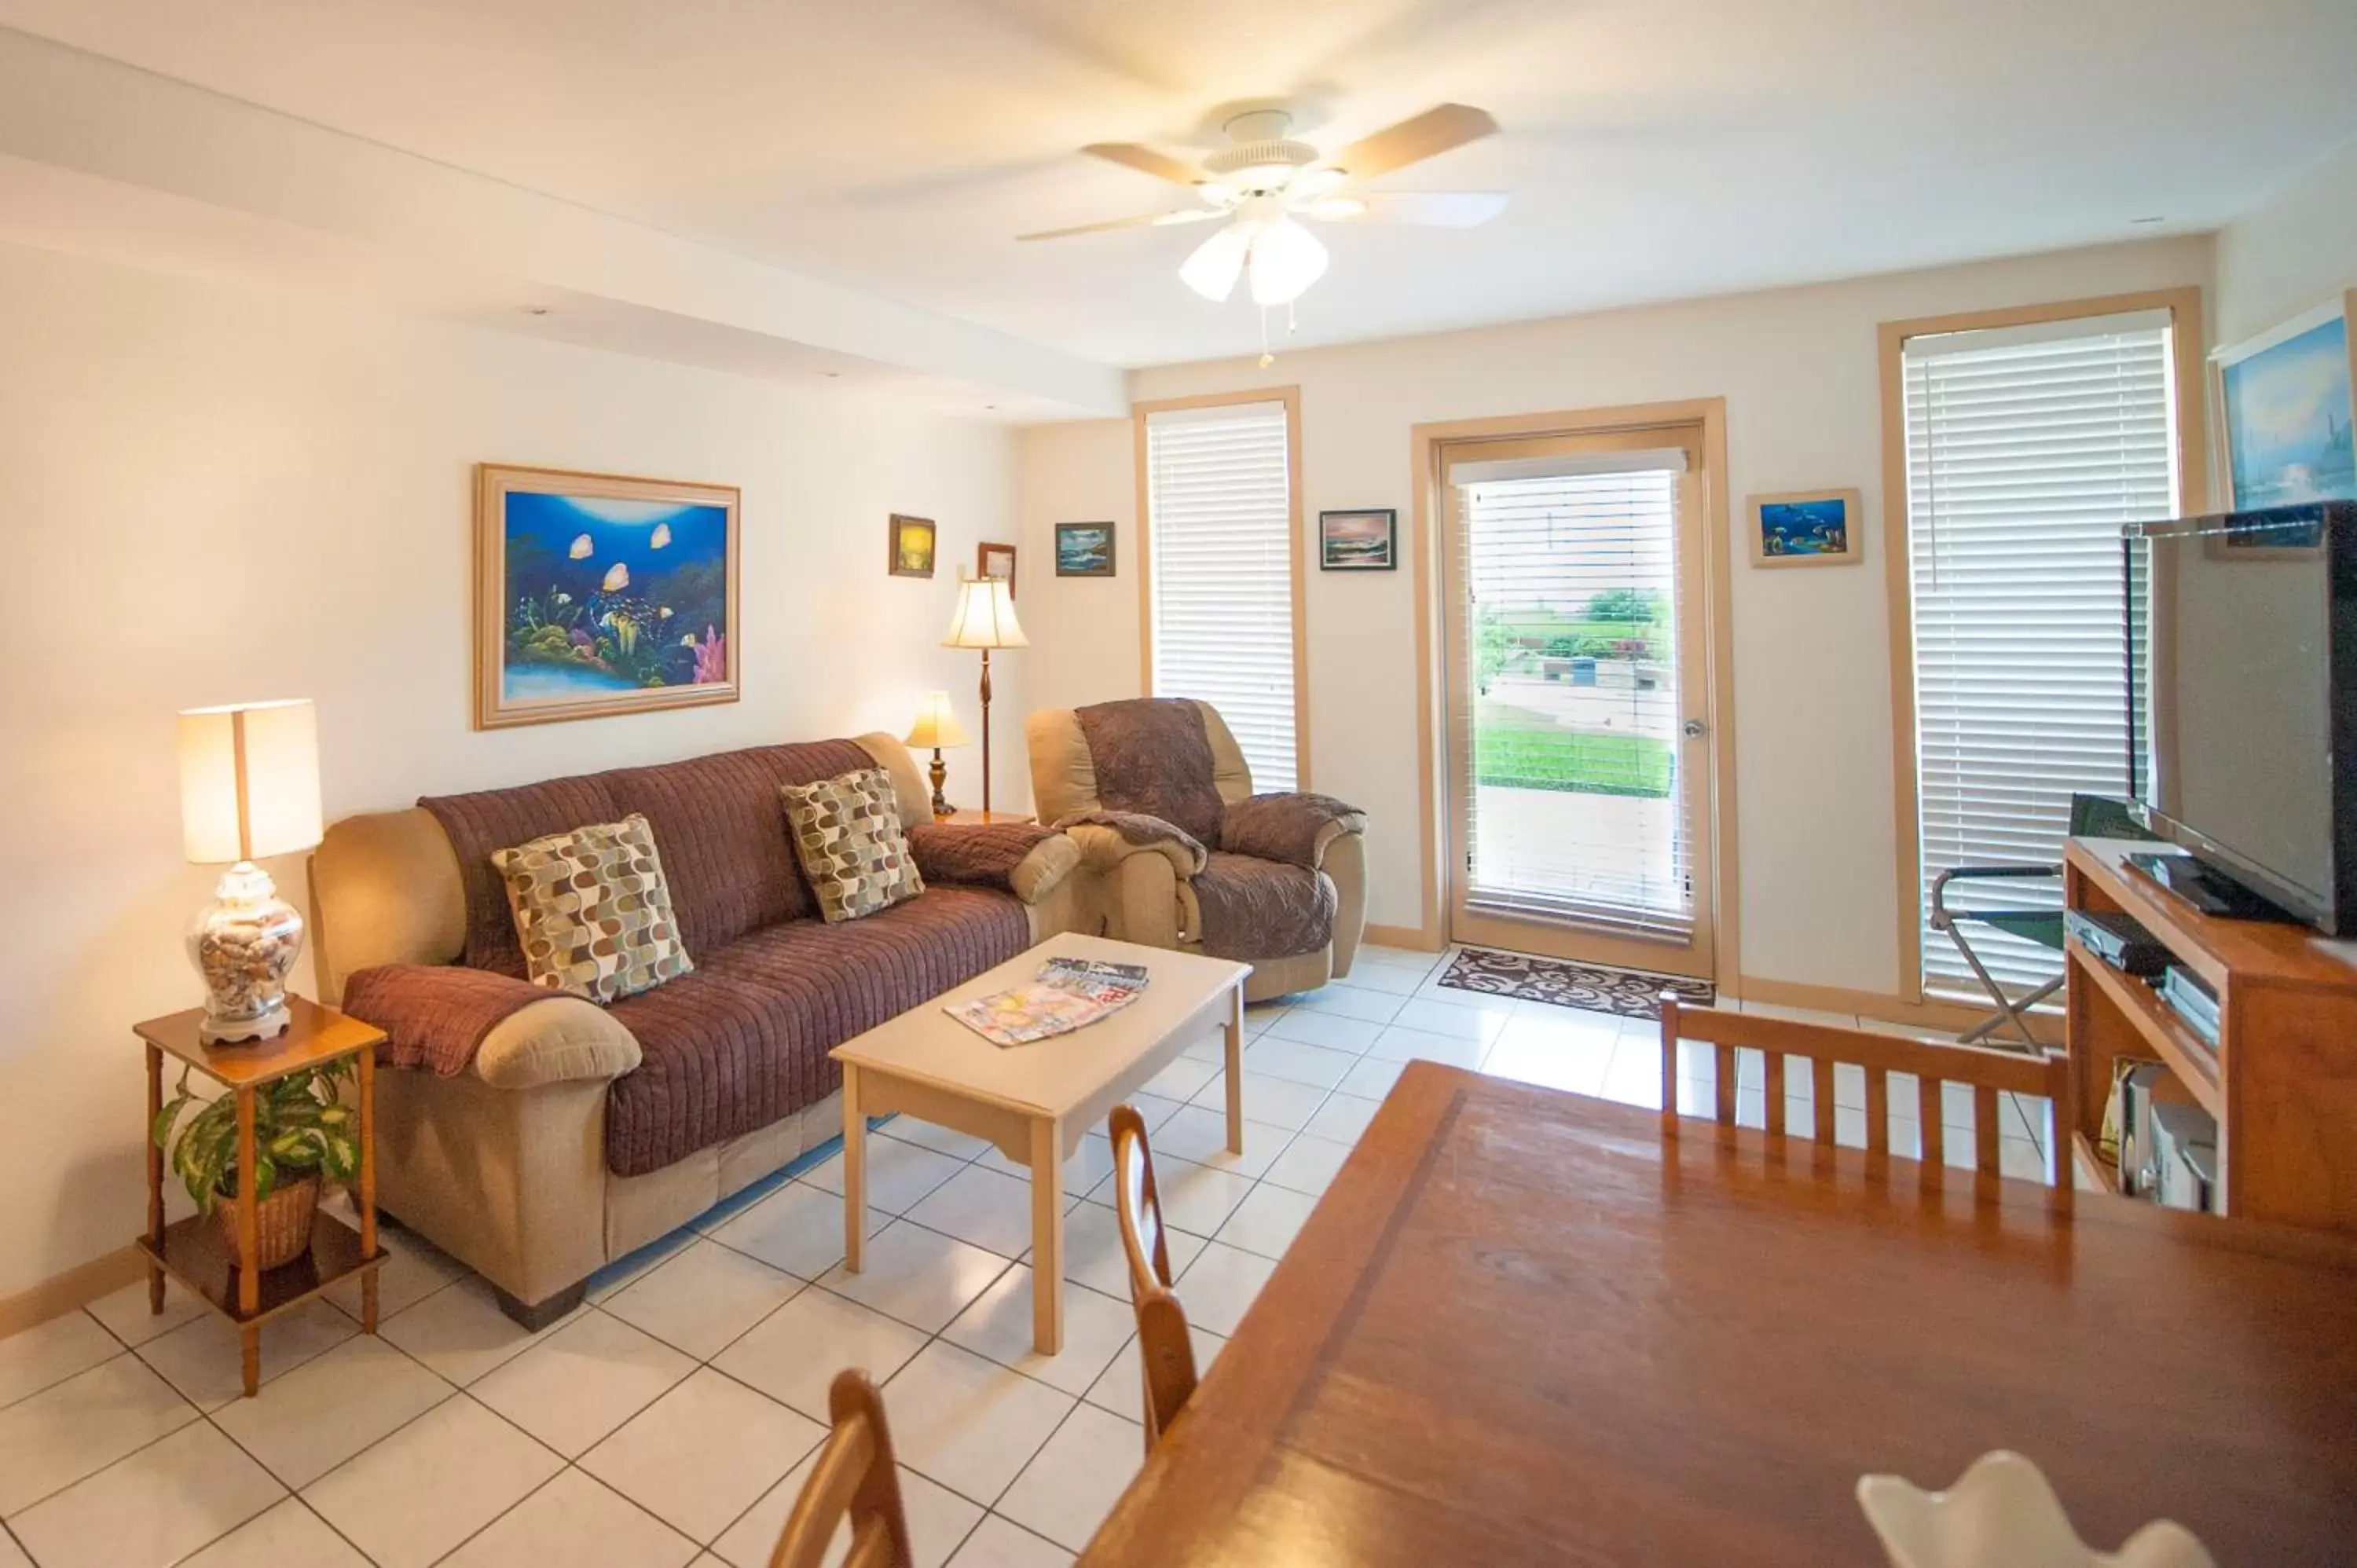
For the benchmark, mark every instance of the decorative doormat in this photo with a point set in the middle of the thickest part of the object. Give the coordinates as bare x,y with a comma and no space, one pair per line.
1628,991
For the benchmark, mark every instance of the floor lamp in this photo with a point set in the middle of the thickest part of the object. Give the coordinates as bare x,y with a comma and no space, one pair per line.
984,618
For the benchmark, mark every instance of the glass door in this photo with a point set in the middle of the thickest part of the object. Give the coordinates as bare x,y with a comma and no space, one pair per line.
1579,763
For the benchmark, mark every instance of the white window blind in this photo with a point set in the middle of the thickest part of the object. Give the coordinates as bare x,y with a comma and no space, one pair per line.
1219,494
2027,450
1574,806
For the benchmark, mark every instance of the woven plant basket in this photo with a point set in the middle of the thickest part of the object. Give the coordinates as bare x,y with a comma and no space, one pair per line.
284,1226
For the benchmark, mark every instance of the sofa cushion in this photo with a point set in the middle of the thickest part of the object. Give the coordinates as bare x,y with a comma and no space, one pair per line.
1254,909
716,823
723,833
743,1041
592,911
847,831
1152,757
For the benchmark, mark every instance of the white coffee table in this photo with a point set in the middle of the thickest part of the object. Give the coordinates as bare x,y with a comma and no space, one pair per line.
1035,1102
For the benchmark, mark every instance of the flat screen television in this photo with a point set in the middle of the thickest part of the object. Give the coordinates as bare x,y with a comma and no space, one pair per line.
2243,691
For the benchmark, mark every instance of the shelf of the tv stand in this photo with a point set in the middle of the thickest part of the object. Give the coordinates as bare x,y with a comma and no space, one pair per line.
2282,1077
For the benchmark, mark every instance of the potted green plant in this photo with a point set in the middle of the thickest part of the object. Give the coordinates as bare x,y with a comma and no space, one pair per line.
303,1137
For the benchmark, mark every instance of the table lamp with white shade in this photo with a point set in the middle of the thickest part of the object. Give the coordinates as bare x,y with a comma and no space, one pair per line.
249,790
984,618
937,727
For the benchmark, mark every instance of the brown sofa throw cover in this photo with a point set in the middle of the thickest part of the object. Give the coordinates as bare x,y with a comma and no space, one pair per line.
1254,909
435,1018
716,823
1137,828
592,910
1291,828
978,854
744,1040
1152,757
847,831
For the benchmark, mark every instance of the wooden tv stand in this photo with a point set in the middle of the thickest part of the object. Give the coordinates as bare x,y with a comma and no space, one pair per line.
2282,1080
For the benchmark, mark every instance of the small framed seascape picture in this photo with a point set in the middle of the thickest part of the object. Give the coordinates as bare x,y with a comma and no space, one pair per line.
912,546
1085,550
996,561
1806,528
598,593
1363,540
2286,413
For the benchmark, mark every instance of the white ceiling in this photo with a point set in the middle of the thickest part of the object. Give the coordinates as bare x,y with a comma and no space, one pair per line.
1655,148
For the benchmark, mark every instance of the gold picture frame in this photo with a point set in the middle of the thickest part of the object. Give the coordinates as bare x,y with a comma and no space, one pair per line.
597,595
1790,528
910,545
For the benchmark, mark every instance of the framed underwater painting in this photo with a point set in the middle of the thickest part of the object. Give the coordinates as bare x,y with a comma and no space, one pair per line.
596,594
1805,528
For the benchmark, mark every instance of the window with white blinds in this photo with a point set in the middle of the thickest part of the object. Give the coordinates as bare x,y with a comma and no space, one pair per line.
1573,805
2027,450
1219,500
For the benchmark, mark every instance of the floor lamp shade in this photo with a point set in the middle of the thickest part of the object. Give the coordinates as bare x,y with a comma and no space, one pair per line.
984,618
249,789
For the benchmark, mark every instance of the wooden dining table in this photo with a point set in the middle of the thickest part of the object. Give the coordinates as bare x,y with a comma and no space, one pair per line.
1523,1326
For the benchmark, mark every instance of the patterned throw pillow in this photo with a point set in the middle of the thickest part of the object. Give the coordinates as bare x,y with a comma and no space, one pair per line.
592,911
848,833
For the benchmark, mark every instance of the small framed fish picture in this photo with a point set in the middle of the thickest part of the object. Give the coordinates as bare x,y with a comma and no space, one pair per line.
1806,528
597,595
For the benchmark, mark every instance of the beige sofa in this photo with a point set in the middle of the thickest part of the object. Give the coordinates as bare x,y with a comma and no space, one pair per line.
507,1164
1154,892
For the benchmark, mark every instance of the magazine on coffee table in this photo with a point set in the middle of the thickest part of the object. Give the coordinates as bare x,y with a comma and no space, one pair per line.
1067,993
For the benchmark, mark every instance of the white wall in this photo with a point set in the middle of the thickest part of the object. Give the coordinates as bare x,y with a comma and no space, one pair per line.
2294,251
1798,371
209,495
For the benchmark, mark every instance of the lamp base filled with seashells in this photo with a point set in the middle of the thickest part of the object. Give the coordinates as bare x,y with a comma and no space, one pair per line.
245,944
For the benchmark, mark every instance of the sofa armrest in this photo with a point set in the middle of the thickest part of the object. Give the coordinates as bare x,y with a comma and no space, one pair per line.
1293,827
1108,838
560,1039
1021,858
448,1020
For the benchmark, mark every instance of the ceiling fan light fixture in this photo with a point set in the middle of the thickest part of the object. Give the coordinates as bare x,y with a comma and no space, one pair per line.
1286,260
1217,262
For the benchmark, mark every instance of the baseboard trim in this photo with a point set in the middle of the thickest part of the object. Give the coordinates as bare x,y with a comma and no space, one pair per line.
1949,1017
1407,937
77,1286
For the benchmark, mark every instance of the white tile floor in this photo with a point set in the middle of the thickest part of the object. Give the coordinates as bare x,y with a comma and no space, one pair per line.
668,1420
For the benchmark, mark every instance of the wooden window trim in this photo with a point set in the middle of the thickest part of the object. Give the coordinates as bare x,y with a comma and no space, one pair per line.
1291,397
2189,360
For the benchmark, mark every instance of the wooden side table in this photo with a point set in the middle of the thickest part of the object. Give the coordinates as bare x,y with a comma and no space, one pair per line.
986,819
190,1250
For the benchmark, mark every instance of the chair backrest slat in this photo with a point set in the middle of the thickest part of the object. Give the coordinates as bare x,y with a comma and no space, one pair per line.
1931,1113
853,1480
1165,1351
1988,1073
1985,1129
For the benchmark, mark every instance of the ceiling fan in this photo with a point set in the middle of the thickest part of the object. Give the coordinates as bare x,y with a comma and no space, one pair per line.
1263,182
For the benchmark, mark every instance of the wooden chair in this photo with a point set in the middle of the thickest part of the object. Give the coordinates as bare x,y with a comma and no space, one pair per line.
1165,1351
1987,1073
853,1478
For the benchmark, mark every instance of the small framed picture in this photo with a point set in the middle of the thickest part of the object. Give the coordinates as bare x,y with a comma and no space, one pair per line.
1806,528
996,561
1085,550
912,546
2283,412
1364,541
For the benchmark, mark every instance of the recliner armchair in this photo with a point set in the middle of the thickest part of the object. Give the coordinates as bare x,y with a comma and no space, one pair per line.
1180,852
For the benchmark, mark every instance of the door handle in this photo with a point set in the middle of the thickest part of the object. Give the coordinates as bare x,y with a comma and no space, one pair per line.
1694,729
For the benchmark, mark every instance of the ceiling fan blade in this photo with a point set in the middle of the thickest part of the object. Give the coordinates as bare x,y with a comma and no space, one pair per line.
1433,131
1145,160
1150,221
1435,209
